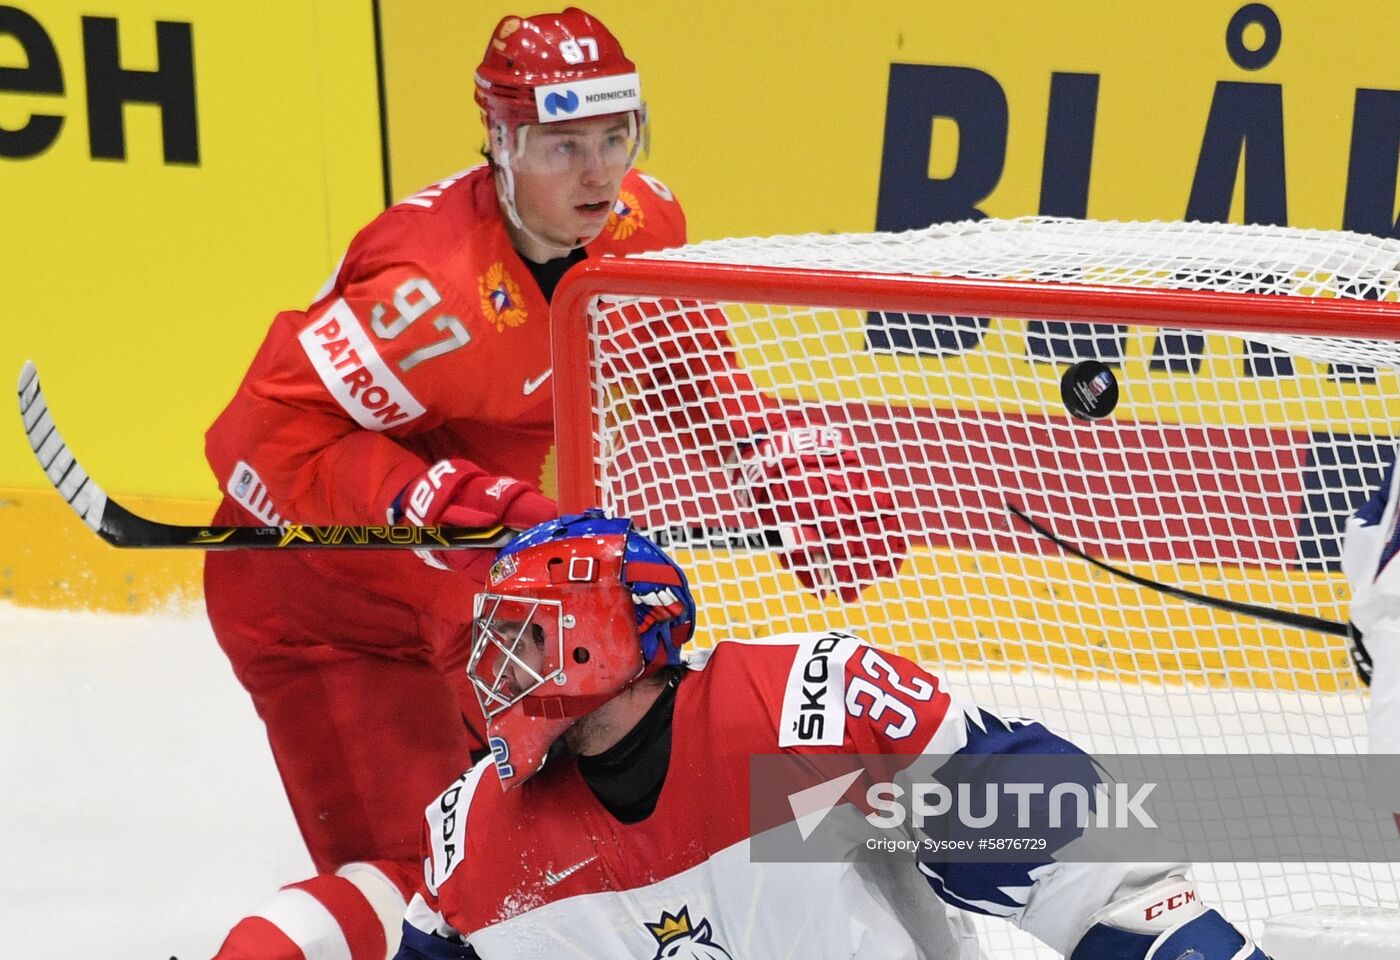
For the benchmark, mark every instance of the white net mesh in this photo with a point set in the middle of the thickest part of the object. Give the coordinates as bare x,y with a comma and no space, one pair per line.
1229,467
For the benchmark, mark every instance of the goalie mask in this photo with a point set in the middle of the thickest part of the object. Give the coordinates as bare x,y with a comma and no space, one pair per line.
575,611
552,68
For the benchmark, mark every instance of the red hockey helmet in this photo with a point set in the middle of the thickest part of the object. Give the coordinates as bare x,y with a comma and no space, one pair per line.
553,67
575,611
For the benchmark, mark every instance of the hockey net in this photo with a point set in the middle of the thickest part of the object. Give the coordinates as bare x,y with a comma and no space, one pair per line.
1259,399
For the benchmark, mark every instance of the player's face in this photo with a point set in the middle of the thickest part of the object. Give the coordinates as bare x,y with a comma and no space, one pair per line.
527,661
567,176
516,647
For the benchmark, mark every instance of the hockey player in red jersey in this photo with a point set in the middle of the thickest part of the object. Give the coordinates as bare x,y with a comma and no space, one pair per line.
416,389
614,818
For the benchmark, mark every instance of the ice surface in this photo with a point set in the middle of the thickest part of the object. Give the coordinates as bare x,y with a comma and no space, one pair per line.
142,812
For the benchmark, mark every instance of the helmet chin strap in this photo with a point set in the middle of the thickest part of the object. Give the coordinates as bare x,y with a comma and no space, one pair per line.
557,708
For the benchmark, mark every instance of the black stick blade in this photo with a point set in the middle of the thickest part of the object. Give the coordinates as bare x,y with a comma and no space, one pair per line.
1287,618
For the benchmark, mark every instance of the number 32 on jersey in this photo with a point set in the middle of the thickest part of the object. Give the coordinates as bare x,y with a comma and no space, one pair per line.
820,694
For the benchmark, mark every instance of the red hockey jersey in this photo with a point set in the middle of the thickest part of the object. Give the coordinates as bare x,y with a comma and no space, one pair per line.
430,341
545,870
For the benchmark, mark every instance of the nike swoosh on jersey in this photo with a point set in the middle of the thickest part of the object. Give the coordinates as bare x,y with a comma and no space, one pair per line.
551,878
534,383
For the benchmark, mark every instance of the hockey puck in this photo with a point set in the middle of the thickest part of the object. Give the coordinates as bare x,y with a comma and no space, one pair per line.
1089,390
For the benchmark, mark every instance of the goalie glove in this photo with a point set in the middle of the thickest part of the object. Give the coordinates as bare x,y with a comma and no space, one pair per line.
460,494
838,531
1164,922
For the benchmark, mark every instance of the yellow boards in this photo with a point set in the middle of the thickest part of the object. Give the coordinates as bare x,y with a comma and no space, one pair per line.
171,174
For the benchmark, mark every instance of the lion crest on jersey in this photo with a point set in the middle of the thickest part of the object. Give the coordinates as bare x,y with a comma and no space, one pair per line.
676,940
625,218
501,301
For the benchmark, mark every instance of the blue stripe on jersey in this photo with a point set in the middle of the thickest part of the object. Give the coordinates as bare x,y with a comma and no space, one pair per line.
997,888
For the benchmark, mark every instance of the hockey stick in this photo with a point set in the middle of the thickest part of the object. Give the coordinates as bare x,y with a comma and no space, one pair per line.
1287,618
121,528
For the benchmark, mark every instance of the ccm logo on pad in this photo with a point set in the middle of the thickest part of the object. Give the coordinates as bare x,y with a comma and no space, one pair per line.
1175,902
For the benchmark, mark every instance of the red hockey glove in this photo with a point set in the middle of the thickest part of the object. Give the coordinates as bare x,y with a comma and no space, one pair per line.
808,481
460,494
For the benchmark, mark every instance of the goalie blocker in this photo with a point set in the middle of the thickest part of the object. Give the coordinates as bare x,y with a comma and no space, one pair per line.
1166,921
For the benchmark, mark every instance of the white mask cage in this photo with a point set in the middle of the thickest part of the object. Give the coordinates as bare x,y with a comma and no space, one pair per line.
517,647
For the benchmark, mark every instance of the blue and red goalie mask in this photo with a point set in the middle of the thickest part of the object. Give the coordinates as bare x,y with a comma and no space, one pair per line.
575,611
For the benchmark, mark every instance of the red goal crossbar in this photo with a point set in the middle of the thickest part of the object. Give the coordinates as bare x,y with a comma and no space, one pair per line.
903,293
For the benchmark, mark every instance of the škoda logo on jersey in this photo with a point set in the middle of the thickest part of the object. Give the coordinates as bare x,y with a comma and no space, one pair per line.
814,703
625,218
676,940
501,300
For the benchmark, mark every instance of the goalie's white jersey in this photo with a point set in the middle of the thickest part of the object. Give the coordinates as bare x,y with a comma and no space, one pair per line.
545,871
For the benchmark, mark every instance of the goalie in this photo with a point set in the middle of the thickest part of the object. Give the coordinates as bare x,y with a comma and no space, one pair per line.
613,821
